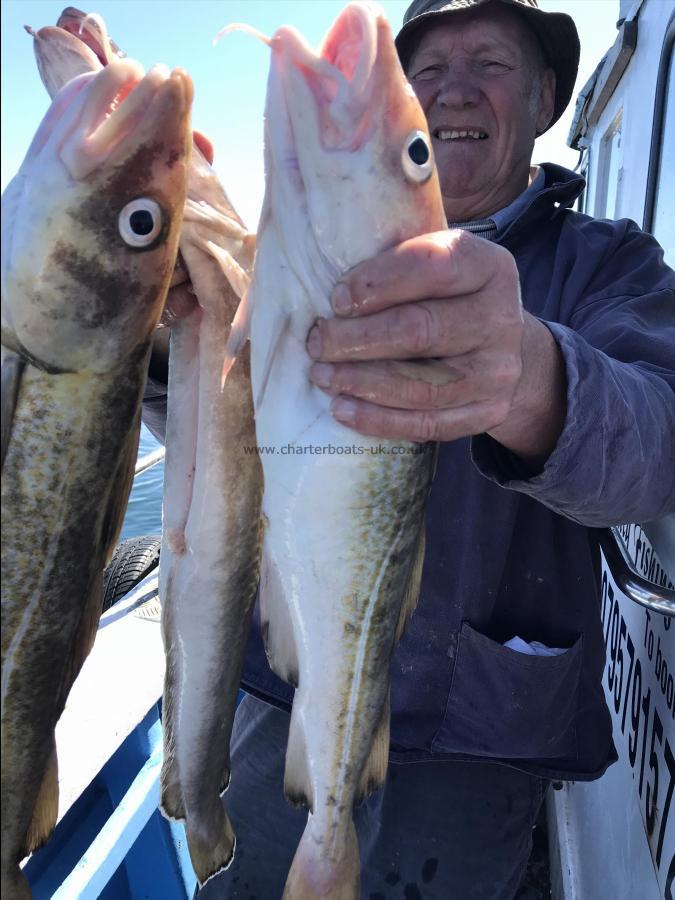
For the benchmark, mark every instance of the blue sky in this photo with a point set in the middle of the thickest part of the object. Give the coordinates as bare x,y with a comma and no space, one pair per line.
230,78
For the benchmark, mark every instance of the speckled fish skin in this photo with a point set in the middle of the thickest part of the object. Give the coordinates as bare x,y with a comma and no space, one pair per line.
344,521
79,307
212,488
211,537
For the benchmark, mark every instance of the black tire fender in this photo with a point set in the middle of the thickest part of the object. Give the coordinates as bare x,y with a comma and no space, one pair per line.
132,560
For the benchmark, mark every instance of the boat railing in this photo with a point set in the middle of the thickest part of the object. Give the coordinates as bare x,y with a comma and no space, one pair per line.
149,460
654,597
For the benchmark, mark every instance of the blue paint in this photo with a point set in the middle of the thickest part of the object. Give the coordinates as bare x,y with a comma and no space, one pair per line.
113,843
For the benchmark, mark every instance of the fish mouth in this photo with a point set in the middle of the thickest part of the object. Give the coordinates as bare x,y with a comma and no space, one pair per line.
121,101
339,76
88,30
350,46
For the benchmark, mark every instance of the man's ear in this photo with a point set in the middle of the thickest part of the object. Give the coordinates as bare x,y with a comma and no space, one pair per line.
546,101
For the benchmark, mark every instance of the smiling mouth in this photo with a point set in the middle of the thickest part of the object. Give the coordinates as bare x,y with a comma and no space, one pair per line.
460,134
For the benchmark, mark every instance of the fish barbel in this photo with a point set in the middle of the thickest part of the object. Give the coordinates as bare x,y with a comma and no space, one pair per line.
212,488
90,236
349,172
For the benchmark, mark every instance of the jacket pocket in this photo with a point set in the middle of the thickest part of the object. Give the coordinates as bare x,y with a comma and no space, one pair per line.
508,704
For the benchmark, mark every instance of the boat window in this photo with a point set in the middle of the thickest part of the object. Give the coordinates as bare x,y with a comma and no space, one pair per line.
611,171
660,205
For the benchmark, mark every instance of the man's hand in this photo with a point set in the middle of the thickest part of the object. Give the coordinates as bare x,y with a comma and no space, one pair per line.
430,342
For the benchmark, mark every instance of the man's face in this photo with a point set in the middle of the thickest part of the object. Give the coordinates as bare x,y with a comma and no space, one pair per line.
485,99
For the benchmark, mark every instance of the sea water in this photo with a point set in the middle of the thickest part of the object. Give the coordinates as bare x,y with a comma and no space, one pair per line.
144,512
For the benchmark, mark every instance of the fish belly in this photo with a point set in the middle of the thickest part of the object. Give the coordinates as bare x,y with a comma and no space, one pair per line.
209,572
344,519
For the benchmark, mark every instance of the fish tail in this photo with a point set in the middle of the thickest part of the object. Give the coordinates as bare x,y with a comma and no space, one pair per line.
46,808
171,796
276,625
211,842
375,769
297,782
314,873
171,803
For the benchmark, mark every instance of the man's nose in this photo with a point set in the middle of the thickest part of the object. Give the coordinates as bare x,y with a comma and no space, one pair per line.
457,90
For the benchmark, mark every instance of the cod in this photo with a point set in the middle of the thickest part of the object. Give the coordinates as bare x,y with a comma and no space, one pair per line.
212,483
350,173
91,225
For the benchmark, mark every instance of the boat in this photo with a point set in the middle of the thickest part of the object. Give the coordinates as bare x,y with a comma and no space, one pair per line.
612,838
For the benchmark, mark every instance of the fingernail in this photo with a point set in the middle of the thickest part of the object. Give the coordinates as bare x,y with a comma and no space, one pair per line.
341,298
344,410
314,342
321,374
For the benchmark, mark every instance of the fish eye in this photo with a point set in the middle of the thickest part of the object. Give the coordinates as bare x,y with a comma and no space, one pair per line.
417,159
140,223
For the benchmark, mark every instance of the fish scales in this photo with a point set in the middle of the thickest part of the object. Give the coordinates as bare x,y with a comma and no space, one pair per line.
211,516
344,513
211,530
79,305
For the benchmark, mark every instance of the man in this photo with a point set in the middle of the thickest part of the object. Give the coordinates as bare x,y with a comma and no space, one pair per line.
545,330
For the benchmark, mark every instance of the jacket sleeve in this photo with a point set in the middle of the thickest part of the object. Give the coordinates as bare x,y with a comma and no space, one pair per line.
154,409
614,461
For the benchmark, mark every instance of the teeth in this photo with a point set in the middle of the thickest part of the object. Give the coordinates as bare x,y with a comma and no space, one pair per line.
453,135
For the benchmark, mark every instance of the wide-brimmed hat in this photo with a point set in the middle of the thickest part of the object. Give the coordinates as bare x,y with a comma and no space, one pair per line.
556,32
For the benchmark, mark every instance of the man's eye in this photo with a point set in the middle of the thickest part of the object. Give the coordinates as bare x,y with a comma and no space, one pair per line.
427,73
492,65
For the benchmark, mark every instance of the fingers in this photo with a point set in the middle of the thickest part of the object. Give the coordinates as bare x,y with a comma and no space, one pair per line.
423,384
434,328
204,145
418,425
443,264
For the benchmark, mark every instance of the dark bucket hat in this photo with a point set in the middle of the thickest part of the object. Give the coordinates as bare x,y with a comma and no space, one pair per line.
556,32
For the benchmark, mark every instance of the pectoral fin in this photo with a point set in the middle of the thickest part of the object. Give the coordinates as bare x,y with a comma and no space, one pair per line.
237,276
12,369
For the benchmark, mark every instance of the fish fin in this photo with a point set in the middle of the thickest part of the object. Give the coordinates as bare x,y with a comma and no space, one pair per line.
12,369
171,797
277,334
121,488
46,807
239,332
248,250
275,623
171,803
315,873
212,844
375,769
412,591
238,278
297,784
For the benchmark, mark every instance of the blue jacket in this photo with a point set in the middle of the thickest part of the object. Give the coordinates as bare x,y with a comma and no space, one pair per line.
511,551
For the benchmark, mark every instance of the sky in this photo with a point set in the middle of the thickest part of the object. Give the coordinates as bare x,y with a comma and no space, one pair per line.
230,78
